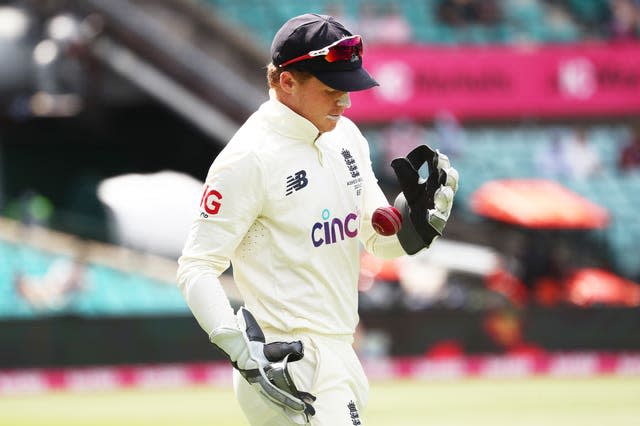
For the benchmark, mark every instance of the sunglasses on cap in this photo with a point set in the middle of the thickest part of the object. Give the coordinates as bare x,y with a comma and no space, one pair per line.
344,49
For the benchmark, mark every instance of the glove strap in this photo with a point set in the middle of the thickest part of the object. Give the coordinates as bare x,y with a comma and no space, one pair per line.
410,239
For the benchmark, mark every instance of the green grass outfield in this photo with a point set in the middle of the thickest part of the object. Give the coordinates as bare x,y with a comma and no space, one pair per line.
602,401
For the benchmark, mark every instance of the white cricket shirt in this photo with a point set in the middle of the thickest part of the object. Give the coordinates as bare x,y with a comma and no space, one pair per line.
289,209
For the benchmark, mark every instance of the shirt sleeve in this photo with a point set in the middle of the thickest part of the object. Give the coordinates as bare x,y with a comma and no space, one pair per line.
374,243
231,199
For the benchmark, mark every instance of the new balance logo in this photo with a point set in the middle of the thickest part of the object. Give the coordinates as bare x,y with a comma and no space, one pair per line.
296,182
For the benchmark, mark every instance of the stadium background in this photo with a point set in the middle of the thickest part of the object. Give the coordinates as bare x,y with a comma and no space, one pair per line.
112,111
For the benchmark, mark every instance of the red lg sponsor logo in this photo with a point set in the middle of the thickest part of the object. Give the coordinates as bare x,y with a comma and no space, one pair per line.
210,201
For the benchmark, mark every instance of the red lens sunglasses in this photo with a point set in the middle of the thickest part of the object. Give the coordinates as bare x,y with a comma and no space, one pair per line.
342,50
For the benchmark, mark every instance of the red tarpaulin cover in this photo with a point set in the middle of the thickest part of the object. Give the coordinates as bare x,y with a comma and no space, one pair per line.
537,203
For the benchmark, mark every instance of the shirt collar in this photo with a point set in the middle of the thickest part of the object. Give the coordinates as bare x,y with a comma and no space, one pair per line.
287,122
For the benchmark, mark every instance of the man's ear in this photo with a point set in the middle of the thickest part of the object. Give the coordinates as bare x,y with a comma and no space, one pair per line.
287,82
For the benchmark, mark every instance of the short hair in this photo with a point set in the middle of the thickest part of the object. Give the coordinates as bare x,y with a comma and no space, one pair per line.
273,74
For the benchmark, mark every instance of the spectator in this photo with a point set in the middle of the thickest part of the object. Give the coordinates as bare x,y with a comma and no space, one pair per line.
384,24
55,289
337,11
450,137
488,12
458,13
34,208
551,160
394,27
401,135
625,20
582,159
629,160
367,22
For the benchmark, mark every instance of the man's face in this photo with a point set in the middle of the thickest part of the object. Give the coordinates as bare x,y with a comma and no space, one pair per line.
319,103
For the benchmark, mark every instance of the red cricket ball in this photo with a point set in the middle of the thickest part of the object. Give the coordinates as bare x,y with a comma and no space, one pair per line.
386,220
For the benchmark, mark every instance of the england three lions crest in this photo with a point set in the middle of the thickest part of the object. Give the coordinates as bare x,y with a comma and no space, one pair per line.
352,166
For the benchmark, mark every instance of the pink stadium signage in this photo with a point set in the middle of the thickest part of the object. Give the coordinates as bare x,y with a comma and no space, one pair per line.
107,378
501,82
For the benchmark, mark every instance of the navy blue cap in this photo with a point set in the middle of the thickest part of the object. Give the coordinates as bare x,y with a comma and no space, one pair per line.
304,33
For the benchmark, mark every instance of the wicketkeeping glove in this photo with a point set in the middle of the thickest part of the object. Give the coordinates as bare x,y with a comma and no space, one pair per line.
264,366
426,202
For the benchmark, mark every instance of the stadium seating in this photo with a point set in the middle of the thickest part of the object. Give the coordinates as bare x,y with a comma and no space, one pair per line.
497,153
106,291
523,20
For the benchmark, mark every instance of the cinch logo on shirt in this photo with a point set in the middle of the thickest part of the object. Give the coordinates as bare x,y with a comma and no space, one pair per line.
334,230
296,181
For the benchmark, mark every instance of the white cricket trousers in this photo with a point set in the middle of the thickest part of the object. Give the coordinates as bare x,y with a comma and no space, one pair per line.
330,370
